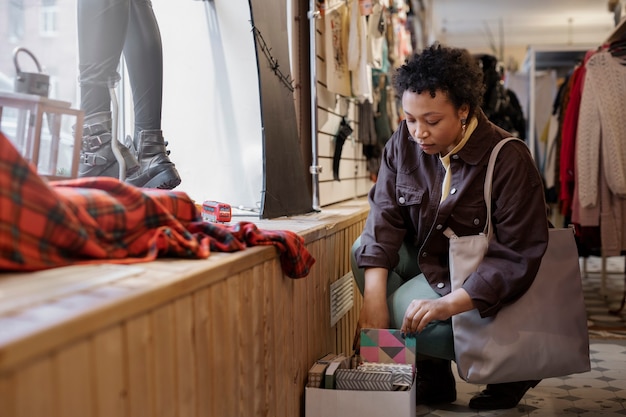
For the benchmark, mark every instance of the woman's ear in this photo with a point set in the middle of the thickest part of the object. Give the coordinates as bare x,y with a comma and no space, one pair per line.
463,111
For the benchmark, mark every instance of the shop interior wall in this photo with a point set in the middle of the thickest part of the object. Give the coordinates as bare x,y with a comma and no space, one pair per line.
331,108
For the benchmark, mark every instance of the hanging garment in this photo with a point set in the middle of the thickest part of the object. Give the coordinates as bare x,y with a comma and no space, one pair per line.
344,131
336,39
382,118
372,150
600,128
601,151
569,129
354,48
376,29
500,104
367,130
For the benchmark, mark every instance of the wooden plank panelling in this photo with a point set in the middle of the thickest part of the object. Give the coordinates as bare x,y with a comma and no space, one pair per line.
255,361
269,343
165,383
7,395
110,385
221,344
36,377
235,345
245,348
140,368
74,387
185,357
204,353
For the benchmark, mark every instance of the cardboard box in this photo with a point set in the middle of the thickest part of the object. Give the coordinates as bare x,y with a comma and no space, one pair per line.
321,402
382,345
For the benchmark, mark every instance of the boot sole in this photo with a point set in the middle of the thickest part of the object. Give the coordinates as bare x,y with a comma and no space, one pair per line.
500,401
112,171
165,180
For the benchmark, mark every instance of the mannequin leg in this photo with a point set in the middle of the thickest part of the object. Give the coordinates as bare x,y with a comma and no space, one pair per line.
143,53
101,31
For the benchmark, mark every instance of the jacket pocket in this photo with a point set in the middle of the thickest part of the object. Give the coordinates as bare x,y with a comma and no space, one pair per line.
408,196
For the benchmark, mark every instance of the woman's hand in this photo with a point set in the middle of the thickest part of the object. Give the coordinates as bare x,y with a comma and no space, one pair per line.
374,315
375,312
422,312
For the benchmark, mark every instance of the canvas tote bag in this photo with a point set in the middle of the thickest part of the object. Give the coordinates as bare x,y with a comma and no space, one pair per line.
543,334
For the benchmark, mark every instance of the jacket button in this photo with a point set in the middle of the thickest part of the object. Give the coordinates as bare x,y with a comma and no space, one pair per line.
453,191
441,285
424,254
439,227
455,156
476,222
401,200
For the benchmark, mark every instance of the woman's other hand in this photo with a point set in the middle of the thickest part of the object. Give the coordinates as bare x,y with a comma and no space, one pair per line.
375,312
374,315
420,313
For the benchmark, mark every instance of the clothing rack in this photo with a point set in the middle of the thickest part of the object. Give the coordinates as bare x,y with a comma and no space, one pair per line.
603,276
545,57
617,35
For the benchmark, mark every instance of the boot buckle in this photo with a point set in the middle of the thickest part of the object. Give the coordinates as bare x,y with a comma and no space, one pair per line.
92,159
95,128
92,143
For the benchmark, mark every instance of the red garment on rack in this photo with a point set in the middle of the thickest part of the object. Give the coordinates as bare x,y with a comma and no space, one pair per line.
569,129
93,220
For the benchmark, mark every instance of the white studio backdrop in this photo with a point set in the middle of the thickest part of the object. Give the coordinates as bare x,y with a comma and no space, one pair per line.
211,104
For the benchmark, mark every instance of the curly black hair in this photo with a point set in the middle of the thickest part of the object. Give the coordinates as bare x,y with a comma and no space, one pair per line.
453,71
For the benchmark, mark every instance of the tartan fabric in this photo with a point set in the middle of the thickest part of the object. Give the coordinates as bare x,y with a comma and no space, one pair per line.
93,220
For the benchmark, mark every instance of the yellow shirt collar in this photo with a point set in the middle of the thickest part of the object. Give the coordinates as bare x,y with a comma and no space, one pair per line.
468,132
445,160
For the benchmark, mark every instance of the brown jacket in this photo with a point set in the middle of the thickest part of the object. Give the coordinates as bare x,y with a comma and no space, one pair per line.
404,204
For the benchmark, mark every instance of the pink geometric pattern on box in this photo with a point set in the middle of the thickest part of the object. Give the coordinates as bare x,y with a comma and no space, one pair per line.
389,339
386,346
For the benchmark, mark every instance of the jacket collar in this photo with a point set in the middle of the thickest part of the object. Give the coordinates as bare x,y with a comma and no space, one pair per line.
481,142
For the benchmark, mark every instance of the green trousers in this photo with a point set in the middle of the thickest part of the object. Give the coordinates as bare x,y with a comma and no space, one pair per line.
404,284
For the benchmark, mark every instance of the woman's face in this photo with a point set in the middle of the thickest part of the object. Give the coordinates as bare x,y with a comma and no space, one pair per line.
433,122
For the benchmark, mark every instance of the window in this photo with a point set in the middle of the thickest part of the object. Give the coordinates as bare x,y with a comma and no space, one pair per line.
16,20
48,18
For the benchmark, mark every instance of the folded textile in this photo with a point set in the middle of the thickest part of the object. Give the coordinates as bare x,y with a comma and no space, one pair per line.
402,373
99,219
364,380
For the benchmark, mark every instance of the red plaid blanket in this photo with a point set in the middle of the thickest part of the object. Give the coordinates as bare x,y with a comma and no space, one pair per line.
93,220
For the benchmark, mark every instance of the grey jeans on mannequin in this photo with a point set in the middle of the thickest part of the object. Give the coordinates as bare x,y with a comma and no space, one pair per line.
404,284
105,30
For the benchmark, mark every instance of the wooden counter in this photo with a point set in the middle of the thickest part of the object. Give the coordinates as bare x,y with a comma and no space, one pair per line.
227,336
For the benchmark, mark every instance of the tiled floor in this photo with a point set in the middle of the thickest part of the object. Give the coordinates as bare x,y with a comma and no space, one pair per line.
601,298
600,392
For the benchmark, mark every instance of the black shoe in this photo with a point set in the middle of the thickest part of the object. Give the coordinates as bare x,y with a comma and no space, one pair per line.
96,155
501,396
156,169
435,382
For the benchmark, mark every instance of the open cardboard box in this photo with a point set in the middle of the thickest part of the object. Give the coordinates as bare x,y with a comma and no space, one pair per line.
320,402
343,403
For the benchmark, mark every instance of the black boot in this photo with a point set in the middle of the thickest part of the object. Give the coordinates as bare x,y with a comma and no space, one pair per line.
157,171
435,382
96,156
501,396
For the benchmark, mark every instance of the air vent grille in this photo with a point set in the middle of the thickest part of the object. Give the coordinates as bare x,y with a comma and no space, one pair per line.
341,298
